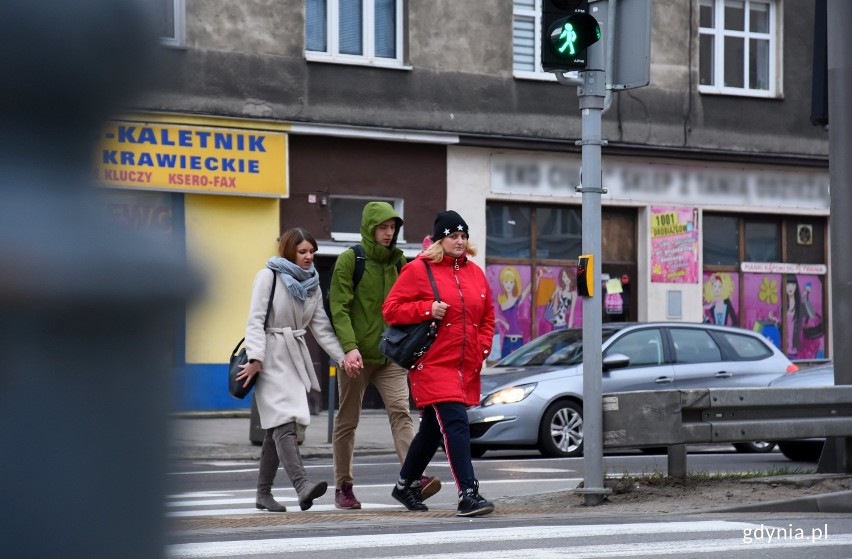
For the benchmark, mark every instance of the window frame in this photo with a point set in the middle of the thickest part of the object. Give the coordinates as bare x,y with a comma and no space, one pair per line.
349,236
332,53
719,33
178,38
535,15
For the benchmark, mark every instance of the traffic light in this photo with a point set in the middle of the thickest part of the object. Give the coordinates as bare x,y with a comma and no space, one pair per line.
586,275
566,31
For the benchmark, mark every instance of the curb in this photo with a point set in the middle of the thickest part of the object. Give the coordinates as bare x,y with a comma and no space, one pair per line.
840,501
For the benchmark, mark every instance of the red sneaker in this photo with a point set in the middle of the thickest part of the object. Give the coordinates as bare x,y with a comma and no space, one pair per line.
344,498
429,486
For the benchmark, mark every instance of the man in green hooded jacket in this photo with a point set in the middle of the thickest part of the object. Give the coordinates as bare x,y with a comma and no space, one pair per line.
356,312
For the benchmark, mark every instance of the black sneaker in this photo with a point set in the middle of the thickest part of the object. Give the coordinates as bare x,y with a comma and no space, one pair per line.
410,497
471,503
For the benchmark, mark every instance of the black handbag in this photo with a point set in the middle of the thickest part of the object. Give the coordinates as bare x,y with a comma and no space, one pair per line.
406,344
239,357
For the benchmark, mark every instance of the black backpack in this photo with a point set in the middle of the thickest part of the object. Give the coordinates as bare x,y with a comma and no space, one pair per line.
357,274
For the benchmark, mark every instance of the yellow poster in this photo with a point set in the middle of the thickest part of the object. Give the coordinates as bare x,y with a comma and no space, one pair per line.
185,158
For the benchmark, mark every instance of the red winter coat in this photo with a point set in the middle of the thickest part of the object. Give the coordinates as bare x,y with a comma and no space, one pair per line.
449,372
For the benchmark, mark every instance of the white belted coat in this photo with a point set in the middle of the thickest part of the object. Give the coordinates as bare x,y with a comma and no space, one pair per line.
288,372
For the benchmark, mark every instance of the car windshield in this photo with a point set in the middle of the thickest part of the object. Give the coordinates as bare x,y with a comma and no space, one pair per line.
558,348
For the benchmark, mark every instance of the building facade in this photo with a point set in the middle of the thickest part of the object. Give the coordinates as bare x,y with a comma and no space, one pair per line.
717,201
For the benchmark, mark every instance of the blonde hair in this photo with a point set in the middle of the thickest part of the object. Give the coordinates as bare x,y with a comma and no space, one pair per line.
727,286
435,252
509,272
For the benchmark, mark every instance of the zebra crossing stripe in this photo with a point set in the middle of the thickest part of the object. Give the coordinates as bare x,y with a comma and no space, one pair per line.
516,534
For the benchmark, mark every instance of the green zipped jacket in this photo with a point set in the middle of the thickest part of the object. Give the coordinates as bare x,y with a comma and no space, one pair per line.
357,316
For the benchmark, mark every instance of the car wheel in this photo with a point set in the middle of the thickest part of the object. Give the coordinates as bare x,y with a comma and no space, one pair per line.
755,447
477,450
801,451
561,430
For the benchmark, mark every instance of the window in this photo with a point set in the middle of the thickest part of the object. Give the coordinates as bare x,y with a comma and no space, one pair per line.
644,348
762,241
365,32
694,346
170,22
746,347
721,240
346,215
737,47
526,35
508,231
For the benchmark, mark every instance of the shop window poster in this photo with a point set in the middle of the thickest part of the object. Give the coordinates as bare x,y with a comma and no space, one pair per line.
721,298
674,245
510,288
762,305
558,306
805,330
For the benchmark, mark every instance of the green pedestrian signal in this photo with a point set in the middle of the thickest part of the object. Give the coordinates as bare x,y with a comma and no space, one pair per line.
568,39
567,31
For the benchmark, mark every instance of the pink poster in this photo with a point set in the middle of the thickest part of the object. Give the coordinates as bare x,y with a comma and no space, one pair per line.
558,306
721,298
674,245
762,305
803,310
510,286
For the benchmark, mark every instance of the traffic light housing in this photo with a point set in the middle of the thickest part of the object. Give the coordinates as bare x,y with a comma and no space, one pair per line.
586,275
567,30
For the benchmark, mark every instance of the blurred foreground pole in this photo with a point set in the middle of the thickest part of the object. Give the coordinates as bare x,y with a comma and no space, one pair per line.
86,310
838,453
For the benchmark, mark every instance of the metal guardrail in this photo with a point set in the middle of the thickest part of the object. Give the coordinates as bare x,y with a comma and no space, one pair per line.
675,418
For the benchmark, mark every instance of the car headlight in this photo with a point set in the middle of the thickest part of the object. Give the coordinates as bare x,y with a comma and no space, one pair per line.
509,395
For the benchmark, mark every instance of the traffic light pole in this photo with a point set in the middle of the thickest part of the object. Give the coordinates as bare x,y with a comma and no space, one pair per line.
592,94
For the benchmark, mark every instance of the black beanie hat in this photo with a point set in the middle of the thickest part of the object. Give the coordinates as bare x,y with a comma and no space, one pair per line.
447,223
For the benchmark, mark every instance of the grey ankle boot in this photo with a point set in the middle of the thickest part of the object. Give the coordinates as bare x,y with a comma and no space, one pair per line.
265,501
266,475
288,453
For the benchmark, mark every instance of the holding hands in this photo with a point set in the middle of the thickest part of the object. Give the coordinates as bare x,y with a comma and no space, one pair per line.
352,362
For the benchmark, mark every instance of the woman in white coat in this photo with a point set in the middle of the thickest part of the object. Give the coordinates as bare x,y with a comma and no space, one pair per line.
281,359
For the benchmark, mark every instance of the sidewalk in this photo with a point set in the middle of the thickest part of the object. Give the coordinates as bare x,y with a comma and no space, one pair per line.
225,436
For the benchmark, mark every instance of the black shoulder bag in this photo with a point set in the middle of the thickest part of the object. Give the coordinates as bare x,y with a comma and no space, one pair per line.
236,386
406,344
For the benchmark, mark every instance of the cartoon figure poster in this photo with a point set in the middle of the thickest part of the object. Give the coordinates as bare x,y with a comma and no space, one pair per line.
762,305
805,331
558,306
674,245
721,298
510,288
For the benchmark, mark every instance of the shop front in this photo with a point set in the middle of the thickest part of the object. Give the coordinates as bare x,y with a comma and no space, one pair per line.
743,245
212,186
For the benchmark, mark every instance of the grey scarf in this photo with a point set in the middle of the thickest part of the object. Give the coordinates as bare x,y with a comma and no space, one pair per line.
300,283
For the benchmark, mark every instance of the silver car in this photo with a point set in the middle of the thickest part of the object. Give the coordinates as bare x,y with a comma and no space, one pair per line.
533,398
805,450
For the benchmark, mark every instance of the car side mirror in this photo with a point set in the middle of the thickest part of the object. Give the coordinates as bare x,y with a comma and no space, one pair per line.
615,361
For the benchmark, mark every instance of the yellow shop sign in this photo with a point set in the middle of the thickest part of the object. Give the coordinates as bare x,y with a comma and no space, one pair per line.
193,159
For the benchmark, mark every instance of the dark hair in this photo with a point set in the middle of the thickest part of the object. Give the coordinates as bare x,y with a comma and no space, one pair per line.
293,238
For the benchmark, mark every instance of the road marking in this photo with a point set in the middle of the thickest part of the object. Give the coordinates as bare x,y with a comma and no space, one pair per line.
645,549
418,539
536,470
292,504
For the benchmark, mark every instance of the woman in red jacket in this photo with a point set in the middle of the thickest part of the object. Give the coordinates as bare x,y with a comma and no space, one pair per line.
446,380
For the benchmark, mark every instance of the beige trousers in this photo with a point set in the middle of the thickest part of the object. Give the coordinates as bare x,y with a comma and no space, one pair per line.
391,381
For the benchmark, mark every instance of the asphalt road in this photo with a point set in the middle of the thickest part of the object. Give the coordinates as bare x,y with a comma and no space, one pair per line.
212,514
